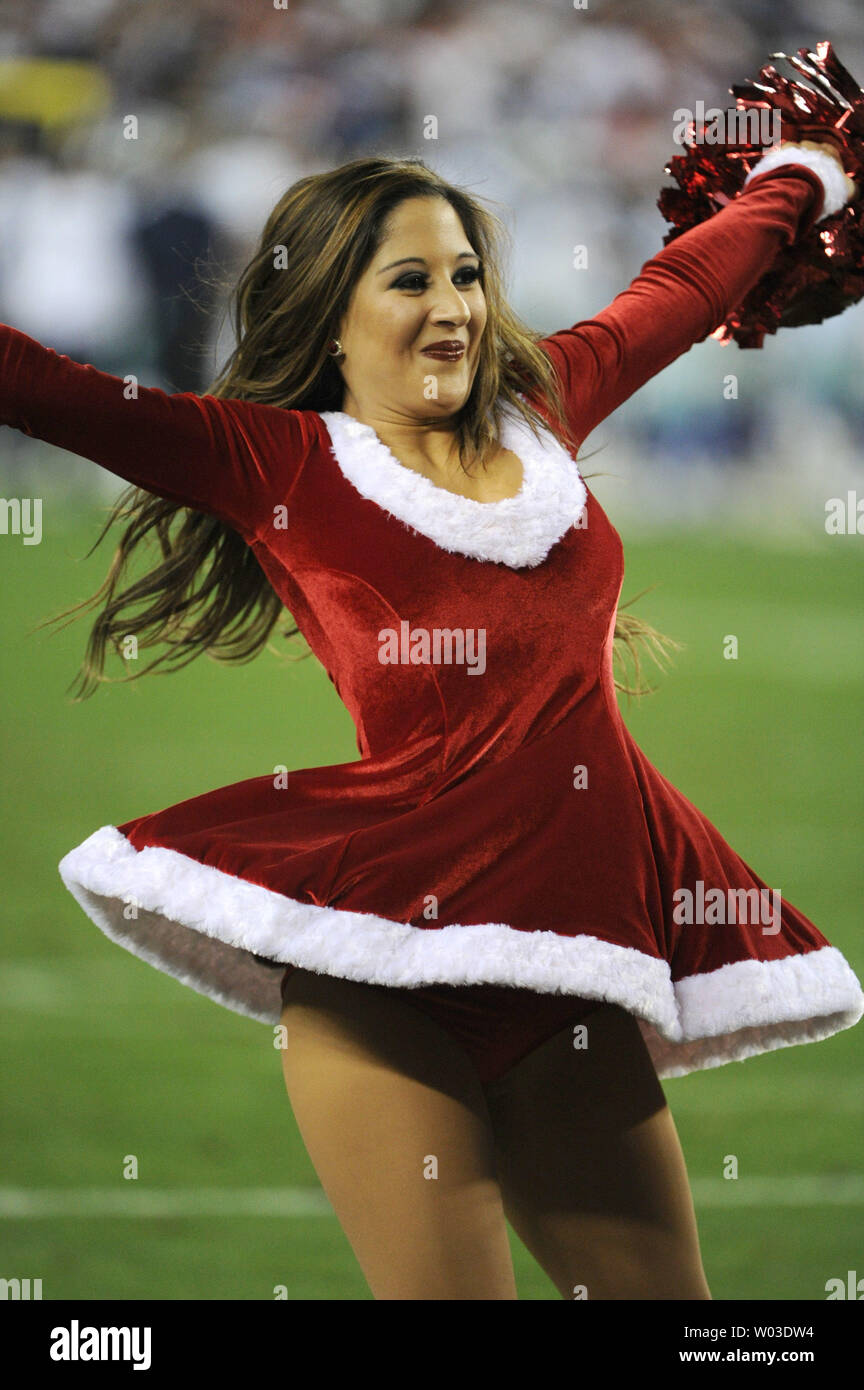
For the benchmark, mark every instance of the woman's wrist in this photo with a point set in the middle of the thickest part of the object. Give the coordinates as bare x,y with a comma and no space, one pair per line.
837,186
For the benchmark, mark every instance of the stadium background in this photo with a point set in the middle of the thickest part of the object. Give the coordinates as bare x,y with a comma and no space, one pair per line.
564,119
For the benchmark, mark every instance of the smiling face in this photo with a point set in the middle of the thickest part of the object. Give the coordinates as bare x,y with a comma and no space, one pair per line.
397,310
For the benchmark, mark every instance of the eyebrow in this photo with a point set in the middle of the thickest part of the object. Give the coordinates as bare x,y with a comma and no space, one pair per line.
406,259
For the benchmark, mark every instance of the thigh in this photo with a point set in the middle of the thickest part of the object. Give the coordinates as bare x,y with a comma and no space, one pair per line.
396,1125
591,1169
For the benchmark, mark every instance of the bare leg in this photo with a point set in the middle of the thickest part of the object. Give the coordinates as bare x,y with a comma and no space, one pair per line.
395,1123
591,1169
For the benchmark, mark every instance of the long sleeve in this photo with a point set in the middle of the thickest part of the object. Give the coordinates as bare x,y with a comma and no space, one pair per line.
681,295
231,459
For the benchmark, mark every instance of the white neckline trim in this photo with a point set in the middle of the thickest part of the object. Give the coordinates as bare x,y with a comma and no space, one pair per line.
516,531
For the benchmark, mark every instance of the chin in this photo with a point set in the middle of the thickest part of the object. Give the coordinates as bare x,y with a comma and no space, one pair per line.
451,399
448,407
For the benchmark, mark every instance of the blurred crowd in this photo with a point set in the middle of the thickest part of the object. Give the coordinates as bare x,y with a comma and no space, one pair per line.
559,113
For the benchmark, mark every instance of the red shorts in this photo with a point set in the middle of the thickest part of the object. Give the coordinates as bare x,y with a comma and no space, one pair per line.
496,1025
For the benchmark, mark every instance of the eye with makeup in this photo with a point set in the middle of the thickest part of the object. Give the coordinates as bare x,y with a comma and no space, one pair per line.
473,273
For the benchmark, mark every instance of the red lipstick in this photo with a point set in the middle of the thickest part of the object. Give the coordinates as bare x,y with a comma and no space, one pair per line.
449,350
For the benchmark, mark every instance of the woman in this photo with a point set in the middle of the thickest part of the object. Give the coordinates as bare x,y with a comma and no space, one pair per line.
469,938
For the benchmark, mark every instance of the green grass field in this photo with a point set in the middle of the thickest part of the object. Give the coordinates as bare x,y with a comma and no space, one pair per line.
106,1057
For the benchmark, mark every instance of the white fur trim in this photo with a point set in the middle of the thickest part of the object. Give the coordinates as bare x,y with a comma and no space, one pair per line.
516,531
830,173
201,925
755,1006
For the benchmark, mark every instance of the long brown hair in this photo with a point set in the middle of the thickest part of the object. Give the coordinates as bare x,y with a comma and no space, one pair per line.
209,594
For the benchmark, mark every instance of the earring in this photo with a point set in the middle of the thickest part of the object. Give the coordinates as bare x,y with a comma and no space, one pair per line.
335,348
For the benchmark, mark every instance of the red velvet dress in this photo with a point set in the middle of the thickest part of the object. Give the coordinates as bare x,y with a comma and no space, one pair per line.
501,826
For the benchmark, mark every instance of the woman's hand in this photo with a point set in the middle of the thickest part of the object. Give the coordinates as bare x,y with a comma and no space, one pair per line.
827,148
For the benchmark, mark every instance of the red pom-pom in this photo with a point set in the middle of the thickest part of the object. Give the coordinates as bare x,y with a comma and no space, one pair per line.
822,272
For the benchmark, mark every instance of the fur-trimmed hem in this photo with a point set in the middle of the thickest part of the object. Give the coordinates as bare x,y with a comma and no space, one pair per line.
753,1006
205,927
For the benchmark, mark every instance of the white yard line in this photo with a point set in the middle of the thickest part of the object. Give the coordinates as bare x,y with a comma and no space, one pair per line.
131,1200
838,1190
61,1203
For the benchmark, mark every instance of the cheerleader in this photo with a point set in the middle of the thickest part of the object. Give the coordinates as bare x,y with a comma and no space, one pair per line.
467,939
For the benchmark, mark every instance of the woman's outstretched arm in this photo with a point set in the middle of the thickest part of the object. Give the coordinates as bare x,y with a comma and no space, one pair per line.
684,292
232,459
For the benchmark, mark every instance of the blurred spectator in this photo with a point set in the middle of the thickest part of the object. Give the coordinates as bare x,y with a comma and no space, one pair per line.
170,242
561,117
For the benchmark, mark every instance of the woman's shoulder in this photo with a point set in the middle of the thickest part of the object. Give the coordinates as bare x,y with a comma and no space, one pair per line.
272,424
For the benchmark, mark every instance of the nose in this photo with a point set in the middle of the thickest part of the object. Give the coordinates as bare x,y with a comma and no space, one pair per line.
450,307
